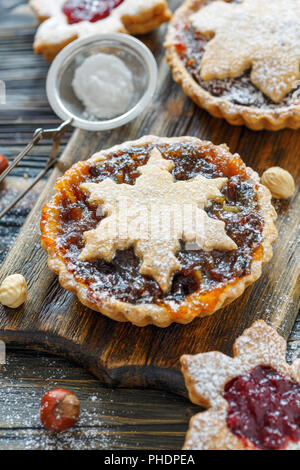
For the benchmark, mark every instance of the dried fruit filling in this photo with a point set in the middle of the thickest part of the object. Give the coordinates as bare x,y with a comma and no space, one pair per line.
264,408
238,208
190,46
89,10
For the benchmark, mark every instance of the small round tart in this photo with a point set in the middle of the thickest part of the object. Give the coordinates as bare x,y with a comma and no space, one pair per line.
253,399
63,21
229,57
159,230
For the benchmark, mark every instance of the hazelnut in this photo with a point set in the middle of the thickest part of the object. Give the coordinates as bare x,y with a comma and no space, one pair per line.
279,181
3,163
59,410
13,291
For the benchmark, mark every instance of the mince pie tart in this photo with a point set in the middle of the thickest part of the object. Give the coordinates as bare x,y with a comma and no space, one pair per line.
63,21
253,399
239,59
159,230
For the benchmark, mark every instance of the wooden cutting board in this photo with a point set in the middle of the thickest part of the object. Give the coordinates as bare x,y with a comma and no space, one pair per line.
123,355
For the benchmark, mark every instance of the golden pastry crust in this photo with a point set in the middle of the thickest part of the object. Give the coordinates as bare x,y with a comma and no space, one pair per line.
207,374
132,17
162,315
256,118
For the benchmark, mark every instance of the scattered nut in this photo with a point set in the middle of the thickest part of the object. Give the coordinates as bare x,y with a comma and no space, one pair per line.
59,410
279,181
3,163
13,291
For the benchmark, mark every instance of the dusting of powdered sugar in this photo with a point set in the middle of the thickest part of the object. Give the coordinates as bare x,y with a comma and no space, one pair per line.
21,390
263,36
56,29
104,84
207,374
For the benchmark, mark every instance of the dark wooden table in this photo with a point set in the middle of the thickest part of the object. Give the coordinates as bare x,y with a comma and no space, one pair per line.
110,419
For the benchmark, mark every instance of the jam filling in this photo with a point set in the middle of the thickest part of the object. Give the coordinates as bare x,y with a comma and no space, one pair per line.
89,10
238,208
264,408
190,46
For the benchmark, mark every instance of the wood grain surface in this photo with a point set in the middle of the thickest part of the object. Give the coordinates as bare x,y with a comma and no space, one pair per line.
119,354
170,114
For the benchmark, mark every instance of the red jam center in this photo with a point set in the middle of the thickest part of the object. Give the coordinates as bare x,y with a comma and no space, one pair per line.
264,408
89,10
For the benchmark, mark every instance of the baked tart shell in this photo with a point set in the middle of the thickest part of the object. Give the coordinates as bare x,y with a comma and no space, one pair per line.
161,315
254,118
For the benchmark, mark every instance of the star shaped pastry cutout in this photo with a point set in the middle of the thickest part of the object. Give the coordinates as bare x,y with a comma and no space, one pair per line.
209,376
153,215
123,16
257,34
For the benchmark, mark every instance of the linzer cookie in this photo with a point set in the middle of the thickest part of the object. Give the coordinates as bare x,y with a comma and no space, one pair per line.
63,21
253,399
159,230
239,59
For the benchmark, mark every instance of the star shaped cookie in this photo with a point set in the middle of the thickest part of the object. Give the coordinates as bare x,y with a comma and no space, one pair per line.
263,36
153,215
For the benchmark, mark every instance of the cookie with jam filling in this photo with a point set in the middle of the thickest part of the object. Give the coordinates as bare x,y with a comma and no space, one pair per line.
253,399
63,21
